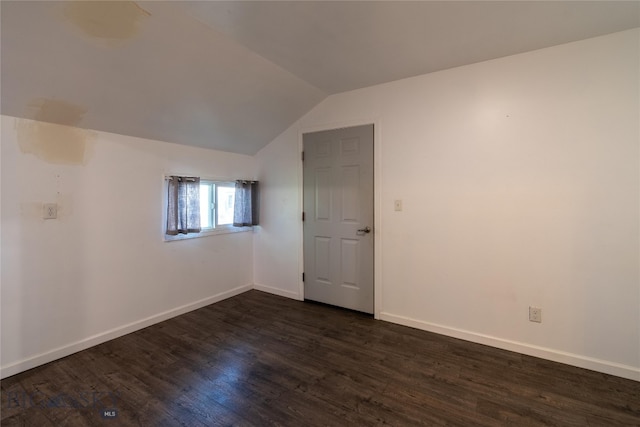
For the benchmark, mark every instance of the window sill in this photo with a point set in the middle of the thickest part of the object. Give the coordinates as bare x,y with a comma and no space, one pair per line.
208,233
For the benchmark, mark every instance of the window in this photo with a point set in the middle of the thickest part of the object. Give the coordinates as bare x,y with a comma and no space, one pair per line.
199,207
216,204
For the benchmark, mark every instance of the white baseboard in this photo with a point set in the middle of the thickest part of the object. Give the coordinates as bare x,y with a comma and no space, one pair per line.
277,291
612,368
66,350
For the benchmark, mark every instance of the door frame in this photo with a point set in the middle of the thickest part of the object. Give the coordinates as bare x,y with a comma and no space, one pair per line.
377,207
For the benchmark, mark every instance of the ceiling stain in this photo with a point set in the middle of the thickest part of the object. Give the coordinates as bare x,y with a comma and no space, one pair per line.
52,137
110,20
55,111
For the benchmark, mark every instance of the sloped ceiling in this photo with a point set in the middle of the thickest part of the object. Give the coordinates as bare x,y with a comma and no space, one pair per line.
233,75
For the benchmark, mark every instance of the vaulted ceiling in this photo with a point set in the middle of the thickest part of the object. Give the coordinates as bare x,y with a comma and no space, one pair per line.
233,75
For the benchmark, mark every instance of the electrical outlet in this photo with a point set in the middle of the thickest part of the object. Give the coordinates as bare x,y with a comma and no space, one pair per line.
49,211
535,314
397,205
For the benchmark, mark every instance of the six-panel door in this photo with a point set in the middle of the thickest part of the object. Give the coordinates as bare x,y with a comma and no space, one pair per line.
338,206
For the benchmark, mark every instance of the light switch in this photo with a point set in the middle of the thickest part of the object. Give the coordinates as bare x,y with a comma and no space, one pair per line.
49,211
397,205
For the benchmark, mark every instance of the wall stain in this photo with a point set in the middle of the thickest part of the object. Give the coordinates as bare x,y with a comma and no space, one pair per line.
111,20
52,138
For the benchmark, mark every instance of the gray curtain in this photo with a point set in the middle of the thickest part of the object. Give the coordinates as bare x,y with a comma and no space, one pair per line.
183,207
245,209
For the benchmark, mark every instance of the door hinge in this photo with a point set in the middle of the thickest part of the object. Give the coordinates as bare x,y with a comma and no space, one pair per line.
302,216
302,155
303,277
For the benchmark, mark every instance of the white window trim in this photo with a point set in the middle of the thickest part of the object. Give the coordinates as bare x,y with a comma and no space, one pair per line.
207,233
216,210
224,229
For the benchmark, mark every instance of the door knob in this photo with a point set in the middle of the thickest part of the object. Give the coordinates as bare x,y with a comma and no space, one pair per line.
363,231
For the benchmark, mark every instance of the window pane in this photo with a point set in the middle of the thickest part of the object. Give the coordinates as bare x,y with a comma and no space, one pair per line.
226,198
205,206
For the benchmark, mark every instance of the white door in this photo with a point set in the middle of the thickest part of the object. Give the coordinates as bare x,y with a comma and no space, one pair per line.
338,217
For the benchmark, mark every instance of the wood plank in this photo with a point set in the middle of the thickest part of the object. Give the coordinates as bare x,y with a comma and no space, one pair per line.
259,359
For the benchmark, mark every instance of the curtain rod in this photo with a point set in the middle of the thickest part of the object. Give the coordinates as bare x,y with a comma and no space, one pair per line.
186,178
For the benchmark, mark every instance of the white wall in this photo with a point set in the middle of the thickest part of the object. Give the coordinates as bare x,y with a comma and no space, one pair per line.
520,186
277,267
102,268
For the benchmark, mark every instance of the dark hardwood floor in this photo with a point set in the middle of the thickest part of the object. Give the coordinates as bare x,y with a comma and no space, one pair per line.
258,359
